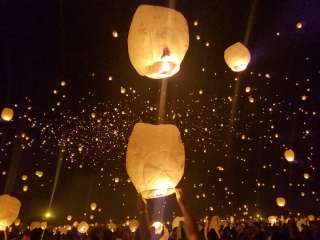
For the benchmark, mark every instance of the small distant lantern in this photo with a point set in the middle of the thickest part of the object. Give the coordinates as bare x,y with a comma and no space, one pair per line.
83,227
35,225
24,177
43,225
69,217
17,222
281,202
25,188
133,225
237,57
289,155
75,224
39,174
7,114
311,218
155,159
112,226
306,176
158,41
158,227
176,222
9,210
272,220
93,206
248,89
299,25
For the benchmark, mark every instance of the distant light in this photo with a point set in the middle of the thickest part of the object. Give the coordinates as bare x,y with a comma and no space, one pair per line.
115,34
195,23
299,25
62,83
198,37
48,215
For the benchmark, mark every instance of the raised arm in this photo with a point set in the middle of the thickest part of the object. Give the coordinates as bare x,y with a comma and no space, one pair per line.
191,231
144,231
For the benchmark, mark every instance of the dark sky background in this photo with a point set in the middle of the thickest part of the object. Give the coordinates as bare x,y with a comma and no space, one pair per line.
45,42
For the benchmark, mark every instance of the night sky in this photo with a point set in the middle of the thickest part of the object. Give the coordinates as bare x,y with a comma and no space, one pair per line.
72,86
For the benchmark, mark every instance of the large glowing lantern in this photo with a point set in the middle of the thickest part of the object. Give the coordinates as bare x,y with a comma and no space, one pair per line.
176,222
93,206
155,159
9,210
7,114
289,155
237,57
158,41
281,202
133,225
83,227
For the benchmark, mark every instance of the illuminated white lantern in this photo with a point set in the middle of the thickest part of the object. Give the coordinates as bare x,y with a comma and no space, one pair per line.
133,225
35,225
75,224
9,210
281,202
237,57
69,217
24,177
176,222
7,114
83,227
306,176
93,206
155,159
158,227
158,41
289,155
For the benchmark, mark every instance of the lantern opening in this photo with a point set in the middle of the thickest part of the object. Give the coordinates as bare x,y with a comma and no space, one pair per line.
240,65
166,67
162,188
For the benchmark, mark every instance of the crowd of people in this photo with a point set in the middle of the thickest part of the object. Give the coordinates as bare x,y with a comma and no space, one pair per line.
212,229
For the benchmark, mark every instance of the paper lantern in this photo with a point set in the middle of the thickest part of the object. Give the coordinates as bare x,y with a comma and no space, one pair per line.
158,41
176,222
306,176
311,218
133,225
281,202
289,155
75,224
24,177
83,227
35,225
9,210
25,188
39,174
272,220
237,57
112,226
7,114
93,206
43,225
155,159
17,222
158,227
69,217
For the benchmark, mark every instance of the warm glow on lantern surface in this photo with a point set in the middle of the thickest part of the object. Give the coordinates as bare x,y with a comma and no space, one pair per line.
237,57
289,155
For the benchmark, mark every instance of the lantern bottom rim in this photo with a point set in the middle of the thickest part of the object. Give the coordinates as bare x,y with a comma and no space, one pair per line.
156,193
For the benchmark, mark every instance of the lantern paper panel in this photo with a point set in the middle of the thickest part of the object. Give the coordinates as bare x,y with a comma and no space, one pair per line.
9,210
289,155
158,41
237,57
155,159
